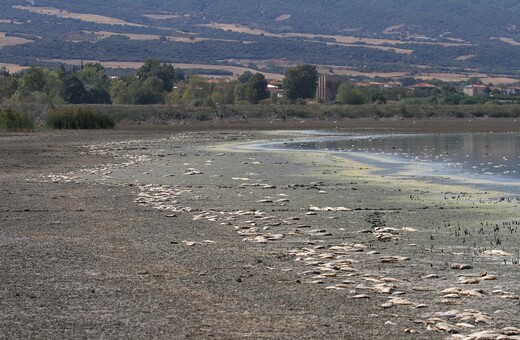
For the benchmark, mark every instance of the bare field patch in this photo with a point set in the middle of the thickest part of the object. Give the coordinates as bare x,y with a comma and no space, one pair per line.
98,19
11,41
12,68
106,34
283,17
241,29
465,57
507,40
346,71
161,16
10,21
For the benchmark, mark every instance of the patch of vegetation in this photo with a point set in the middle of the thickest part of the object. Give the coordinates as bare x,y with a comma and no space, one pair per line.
13,121
79,118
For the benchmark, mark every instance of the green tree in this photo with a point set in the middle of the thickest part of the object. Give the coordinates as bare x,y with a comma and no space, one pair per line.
198,89
239,92
8,86
33,80
96,83
256,88
121,90
175,95
150,91
225,92
130,90
348,94
165,72
300,82
244,77
72,89
52,85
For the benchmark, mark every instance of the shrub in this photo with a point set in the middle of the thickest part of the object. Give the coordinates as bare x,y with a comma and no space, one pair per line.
79,118
15,122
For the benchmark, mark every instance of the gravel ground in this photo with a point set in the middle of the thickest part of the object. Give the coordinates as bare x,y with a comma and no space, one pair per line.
148,232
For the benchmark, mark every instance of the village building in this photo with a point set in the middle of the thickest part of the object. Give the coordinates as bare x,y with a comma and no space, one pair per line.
475,90
512,91
422,86
380,85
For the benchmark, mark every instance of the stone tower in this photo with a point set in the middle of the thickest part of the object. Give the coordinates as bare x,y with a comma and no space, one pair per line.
327,88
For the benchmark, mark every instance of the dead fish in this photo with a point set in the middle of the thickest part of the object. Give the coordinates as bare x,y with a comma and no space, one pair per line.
461,266
510,331
483,335
447,327
496,252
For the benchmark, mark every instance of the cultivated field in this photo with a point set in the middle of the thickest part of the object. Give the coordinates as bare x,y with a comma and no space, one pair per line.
335,39
135,65
100,35
11,41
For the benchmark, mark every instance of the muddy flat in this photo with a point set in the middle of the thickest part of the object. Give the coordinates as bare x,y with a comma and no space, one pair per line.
174,232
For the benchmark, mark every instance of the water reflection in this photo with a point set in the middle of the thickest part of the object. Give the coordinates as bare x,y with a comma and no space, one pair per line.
476,154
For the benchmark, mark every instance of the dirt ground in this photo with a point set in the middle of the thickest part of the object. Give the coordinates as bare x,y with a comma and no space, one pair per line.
172,232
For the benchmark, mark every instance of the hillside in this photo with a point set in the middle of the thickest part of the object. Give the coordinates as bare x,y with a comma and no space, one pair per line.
369,35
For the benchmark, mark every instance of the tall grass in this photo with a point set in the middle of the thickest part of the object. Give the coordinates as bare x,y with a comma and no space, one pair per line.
79,118
239,112
13,121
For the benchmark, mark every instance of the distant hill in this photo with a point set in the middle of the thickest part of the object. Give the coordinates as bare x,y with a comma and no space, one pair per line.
397,35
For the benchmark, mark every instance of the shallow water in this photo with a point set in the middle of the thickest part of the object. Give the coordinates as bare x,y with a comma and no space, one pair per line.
487,157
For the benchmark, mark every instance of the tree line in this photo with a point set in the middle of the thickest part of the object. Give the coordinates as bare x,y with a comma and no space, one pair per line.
153,83
160,83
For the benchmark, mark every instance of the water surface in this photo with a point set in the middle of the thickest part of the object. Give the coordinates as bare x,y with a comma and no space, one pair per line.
488,157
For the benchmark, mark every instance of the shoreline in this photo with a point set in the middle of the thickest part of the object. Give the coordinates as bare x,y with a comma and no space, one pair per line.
396,125
163,233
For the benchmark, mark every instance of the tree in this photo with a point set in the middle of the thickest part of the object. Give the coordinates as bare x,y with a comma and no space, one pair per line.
256,88
150,91
225,92
72,89
8,86
348,94
130,90
474,81
244,77
52,85
33,80
96,83
198,89
165,72
120,91
300,82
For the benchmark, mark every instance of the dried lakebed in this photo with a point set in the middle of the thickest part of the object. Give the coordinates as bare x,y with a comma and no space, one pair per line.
316,241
